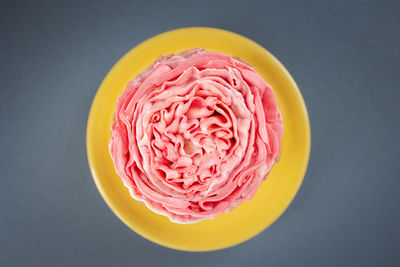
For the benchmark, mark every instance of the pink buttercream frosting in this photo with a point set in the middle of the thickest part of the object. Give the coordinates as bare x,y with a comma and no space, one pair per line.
195,135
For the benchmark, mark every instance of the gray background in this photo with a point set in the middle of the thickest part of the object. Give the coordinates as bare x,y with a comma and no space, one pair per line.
344,56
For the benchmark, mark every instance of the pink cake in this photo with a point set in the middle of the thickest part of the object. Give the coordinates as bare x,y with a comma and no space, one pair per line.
195,135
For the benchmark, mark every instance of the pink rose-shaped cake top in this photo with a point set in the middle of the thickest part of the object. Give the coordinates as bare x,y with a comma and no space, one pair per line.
195,135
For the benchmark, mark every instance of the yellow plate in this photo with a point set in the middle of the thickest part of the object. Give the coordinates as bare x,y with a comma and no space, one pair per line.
249,218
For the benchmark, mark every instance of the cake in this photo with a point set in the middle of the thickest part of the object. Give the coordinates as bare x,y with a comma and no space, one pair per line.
195,135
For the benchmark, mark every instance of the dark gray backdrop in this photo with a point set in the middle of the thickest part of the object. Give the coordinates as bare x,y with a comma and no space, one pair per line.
343,54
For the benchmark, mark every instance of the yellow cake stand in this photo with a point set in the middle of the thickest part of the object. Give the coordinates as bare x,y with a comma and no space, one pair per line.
249,218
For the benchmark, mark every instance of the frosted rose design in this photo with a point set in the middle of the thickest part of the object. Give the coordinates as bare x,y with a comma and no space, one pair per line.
195,135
